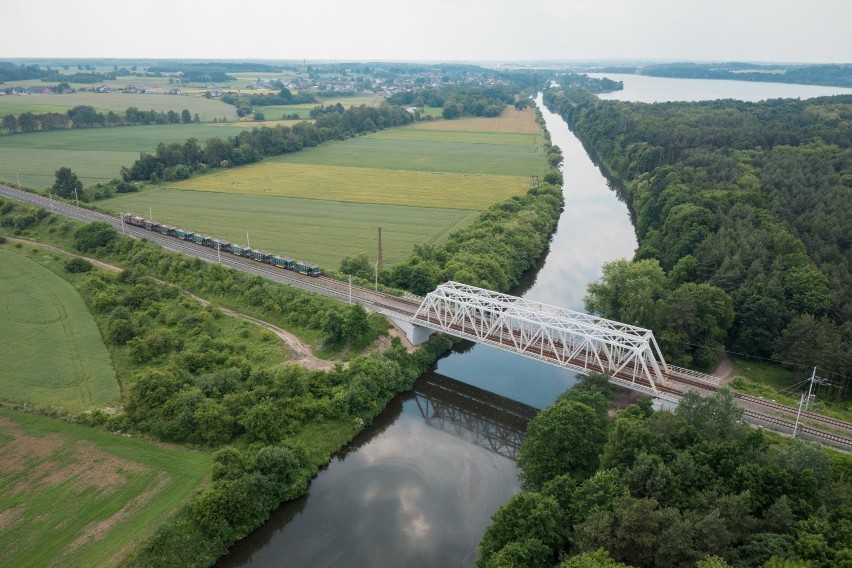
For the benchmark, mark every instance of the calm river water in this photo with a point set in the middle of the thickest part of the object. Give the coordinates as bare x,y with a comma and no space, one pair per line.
419,486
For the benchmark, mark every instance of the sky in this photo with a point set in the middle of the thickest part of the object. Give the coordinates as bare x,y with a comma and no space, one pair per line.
438,30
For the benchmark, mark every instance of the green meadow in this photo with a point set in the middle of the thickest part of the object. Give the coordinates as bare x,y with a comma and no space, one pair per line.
95,154
51,351
310,229
322,204
73,496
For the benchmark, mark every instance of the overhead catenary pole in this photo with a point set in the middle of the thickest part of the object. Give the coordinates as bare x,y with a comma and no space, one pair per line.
219,251
802,401
121,216
248,240
377,275
50,197
19,180
350,289
77,199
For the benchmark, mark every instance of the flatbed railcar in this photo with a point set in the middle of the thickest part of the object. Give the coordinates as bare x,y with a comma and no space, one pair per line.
284,262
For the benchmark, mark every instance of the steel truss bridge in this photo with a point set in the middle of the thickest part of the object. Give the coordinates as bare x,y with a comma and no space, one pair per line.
573,340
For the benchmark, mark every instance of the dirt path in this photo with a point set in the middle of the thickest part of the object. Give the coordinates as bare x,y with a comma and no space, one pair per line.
300,352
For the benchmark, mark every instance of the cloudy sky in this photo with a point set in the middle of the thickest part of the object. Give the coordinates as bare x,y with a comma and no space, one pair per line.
481,30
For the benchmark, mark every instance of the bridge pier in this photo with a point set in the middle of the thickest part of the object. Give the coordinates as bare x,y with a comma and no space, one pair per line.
416,334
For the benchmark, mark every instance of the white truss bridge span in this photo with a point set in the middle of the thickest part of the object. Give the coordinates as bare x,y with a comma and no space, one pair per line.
565,338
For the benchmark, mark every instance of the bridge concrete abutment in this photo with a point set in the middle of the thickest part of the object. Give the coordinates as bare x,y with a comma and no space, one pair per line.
416,334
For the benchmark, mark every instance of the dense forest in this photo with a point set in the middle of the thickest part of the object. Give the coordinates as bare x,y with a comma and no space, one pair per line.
826,74
694,487
743,213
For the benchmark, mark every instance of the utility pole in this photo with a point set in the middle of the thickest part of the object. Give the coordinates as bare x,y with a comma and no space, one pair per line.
380,250
377,275
50,197
350,289
219,251
248,240
19,180
77,199
150,215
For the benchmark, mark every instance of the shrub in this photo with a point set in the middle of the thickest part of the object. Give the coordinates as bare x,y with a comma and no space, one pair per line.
77,265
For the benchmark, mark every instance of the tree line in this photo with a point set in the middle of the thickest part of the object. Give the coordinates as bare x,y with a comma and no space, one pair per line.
85,116
827,74
246,102
750,202
694,487
179,161
457,101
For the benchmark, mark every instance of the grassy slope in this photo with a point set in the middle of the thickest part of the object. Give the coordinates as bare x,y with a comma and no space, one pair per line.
73,496
51,350
774,382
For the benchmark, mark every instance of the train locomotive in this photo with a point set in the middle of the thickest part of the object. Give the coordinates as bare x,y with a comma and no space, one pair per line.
286,263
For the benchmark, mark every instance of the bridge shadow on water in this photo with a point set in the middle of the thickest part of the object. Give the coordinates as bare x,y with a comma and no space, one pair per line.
491,421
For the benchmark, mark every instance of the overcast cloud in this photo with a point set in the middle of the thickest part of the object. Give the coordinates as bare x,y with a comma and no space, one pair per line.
483,30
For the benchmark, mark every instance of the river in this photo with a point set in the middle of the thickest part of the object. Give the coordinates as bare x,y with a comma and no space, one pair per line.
419,486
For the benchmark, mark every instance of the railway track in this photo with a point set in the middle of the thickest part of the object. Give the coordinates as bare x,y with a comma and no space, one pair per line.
675,385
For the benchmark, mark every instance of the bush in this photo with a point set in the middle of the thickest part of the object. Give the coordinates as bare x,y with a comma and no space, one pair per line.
77,265
94,235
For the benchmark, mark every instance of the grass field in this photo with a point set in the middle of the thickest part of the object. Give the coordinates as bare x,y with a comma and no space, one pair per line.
51,352
310,229
72,496
321,204
207,109
95,154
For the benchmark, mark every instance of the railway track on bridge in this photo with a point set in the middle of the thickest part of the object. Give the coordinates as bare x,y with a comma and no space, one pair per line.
758,410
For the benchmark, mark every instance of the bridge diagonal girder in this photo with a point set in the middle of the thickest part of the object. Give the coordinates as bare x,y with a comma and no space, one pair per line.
556,335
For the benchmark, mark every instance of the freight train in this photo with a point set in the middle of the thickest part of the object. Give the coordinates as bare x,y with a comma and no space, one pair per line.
287,263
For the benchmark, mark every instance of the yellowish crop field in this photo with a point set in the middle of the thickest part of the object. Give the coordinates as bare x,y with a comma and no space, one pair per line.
362,185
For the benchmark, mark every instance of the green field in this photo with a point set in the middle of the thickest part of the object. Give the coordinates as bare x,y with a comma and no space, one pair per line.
95,154
51,351
419,183
309,229
207,109
72,496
